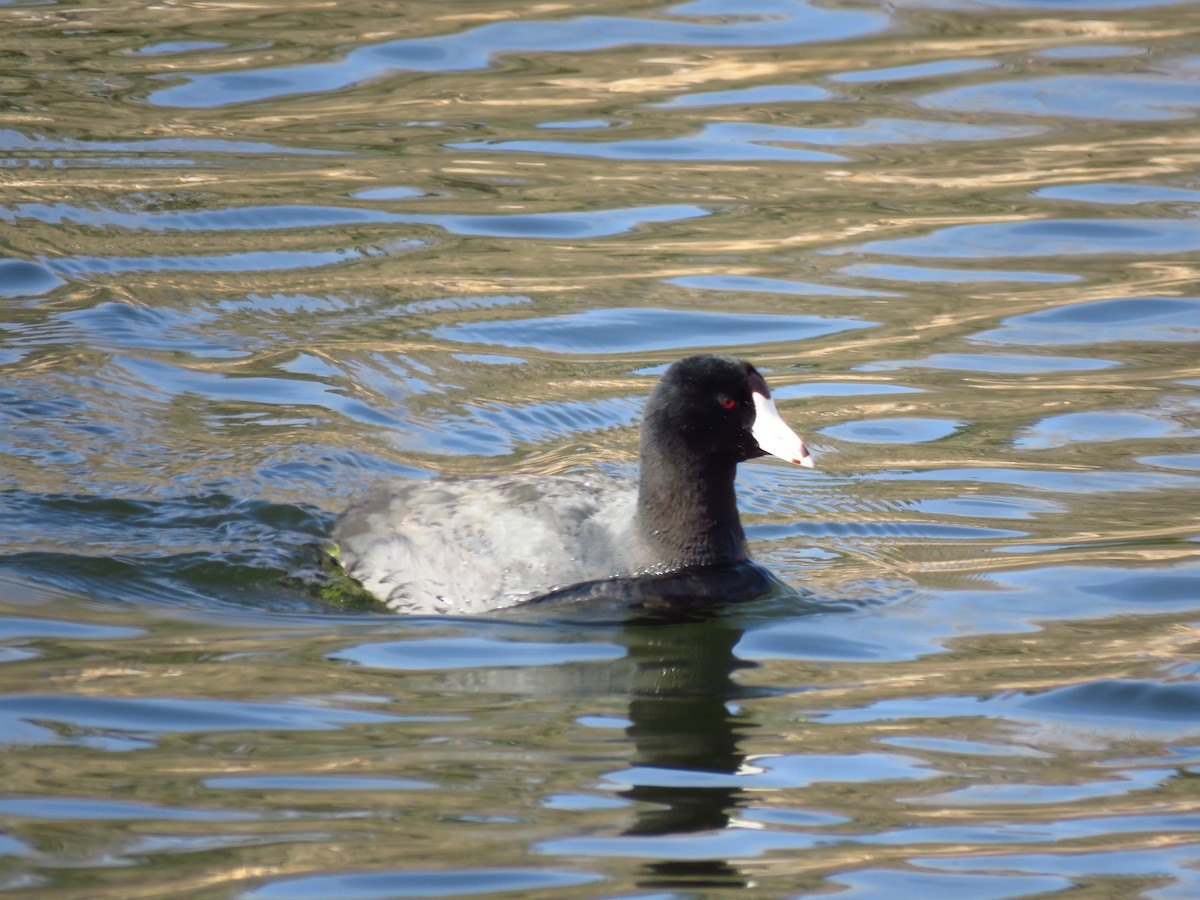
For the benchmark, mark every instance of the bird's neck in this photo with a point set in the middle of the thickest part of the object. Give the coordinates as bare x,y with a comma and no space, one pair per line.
687,511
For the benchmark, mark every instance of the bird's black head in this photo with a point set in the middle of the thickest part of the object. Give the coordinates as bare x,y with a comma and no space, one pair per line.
717,408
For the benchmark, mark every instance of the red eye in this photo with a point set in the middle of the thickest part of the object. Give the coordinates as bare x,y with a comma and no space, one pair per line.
728,402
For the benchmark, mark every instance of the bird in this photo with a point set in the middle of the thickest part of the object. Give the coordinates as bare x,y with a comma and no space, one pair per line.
468,545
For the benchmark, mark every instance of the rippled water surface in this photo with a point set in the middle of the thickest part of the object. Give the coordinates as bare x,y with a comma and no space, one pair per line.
256,259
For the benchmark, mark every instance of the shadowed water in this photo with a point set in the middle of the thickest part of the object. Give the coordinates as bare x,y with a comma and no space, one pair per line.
258,259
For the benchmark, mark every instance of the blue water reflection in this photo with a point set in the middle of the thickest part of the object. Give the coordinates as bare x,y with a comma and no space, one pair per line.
1120,194
632,330
429,883
22,278
744,142
536,225
906,430
1128,97
1054,237
761,24
1156,319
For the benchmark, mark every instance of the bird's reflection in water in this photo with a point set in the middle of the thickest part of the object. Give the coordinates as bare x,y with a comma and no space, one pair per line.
684,724
679,632
682,721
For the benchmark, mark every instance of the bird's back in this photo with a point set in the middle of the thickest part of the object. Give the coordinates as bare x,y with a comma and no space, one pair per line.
453,545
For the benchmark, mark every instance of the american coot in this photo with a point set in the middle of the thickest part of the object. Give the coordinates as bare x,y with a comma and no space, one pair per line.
468,545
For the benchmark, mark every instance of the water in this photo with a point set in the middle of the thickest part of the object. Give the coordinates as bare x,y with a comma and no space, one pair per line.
255,259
